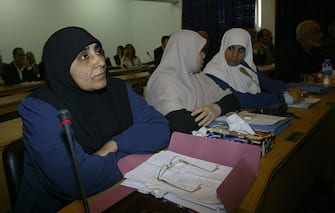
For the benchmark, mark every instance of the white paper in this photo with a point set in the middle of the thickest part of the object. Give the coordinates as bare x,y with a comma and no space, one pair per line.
306,103
237,124
257,119
185,175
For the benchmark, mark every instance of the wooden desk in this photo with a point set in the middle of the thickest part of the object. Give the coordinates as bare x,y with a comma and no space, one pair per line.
9,103
133,75
20,88
135,78
9,131
287,172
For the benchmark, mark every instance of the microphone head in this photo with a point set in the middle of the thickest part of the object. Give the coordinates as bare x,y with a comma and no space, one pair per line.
244,63
64,114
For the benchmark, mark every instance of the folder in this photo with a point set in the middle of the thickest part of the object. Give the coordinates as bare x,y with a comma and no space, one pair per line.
313,88
263,122
244,158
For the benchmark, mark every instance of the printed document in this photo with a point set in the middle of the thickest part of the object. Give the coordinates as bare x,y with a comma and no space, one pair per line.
187,181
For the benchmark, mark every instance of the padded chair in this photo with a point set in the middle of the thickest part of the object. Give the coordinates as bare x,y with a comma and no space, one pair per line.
13,166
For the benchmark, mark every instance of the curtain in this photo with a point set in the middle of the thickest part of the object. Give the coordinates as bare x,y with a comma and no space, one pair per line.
216,17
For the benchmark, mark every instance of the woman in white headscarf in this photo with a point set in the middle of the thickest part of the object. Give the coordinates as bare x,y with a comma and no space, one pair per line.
233,67
187,97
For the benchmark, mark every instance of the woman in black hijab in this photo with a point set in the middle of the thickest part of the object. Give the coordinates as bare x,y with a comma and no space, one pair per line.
109,121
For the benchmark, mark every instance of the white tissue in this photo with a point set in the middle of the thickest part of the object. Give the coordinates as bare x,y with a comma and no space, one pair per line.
237,124
201,132
153,189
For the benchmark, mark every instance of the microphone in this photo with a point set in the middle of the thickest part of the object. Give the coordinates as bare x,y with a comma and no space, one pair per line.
244,63
64,117
150,56
125,66
245,72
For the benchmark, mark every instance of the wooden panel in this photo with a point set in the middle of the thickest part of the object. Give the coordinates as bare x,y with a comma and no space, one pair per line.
20,88
9,131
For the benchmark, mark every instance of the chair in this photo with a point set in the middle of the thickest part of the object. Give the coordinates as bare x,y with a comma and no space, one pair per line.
13,167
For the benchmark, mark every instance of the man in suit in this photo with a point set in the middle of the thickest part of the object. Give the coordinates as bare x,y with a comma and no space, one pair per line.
17,71
158,52
303,56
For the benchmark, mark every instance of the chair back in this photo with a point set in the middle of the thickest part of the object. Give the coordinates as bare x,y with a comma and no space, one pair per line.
13,167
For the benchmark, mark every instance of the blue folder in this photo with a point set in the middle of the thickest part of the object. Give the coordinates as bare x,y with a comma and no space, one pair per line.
313,88
276,127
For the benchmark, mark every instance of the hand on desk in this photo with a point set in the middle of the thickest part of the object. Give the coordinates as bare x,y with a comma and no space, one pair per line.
297,95
108,147
204,115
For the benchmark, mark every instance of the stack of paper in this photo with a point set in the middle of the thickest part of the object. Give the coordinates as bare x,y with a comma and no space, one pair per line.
184,180
270,123
306,103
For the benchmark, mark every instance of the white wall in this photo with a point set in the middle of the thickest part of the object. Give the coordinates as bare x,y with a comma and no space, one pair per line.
150,21
268,15
28,23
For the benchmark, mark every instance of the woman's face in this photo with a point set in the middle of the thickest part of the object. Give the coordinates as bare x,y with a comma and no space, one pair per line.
200,61
88,69
234,55
129,51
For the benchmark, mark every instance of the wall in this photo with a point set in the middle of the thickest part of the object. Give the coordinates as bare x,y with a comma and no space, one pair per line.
149,22
28,24
268,15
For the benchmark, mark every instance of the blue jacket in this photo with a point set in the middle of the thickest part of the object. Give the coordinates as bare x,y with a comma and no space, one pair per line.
49,181
271,92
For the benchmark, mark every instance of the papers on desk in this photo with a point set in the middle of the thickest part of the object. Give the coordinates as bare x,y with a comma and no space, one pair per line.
242,158
313,88
184,180
270,123
306,103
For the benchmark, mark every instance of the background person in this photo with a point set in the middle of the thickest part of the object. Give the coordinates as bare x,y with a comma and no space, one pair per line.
129,59
31,64
158,52
264,36
118,55
17,71
233,67
303,56
187,97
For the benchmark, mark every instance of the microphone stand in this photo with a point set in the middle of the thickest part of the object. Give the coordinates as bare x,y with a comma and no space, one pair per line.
65,118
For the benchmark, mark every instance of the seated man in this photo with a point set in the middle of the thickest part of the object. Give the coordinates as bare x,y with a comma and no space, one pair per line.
158,52
264,36
302,56
17,71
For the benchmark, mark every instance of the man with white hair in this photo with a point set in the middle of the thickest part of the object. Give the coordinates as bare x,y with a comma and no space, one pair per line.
302,56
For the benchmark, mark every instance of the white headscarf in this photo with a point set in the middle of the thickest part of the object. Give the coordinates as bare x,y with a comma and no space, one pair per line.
174,85
232,75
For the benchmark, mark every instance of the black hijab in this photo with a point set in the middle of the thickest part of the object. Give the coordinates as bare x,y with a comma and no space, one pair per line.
96,116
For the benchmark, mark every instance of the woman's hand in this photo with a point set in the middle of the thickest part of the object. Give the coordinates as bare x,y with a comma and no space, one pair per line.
204,115
296,94
108,147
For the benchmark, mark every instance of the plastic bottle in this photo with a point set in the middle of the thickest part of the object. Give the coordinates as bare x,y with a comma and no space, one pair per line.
327,71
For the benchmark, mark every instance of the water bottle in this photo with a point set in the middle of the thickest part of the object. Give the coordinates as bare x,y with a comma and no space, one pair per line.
327,71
